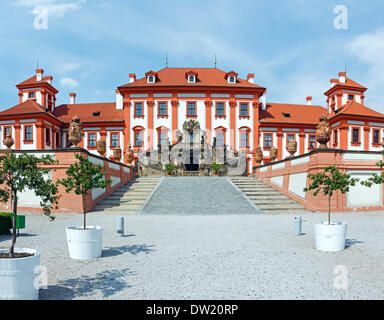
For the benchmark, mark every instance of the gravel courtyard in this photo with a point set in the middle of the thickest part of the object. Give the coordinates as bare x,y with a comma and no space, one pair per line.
236,256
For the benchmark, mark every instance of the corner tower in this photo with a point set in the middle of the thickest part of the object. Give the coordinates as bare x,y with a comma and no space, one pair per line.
342,91
39,89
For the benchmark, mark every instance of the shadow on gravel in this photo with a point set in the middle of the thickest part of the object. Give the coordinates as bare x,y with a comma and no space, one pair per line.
134,249
27,235
5,238
107,282
350,242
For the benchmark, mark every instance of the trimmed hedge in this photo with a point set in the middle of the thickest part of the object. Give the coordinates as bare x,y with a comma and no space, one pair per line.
5,223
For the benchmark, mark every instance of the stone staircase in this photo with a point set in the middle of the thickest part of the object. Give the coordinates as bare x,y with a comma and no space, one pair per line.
129,198
266,198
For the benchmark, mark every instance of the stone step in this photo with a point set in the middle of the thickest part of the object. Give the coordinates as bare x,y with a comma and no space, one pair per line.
279,206
262,193
264,188
107,211
273,201
118,206
275,197
132,192
127,197
120,201
285,211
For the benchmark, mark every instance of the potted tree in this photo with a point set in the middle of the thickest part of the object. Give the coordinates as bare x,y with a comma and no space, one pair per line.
170,169
84,242
330,236
215,167
17,265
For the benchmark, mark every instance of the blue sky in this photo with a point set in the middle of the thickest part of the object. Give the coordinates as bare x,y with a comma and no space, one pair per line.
292,46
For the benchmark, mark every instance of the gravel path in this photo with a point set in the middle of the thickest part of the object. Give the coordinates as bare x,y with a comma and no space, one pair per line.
198,195
210,257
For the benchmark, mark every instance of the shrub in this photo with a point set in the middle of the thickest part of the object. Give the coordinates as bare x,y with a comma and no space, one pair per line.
5,223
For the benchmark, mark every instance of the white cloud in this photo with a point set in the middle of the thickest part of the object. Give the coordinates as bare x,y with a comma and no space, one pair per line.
368,48
69,83
55,7
66,67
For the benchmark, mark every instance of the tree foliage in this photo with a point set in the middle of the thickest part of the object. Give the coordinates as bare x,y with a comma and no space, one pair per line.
375,178
82,177
20,172
329,181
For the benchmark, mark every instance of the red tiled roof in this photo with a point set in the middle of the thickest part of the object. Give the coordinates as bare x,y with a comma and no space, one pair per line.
298,114
348,83
28,106
33,81
108,112
354,108
206,77
351,83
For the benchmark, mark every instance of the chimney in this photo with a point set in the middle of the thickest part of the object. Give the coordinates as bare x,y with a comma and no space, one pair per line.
48,79
132,77
342,77
334,82
39,74
309,101
251,78
119,100
72,98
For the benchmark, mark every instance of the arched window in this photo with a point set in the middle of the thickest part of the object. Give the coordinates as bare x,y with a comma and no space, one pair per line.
220,134
138,137
244,133
162,136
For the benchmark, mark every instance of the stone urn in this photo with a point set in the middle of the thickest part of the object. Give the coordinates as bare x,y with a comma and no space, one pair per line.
129,155
292,148
259,156
117,153
101,147
273,153
75,132
323,132
8,141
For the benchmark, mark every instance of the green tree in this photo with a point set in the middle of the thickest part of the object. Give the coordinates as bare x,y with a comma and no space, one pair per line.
329,181
375,178
21,172
82,177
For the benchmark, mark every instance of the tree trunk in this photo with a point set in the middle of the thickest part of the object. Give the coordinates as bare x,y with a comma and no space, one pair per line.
85,216
329,210
14,223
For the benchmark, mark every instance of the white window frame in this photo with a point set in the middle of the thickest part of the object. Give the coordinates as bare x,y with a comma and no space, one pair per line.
231,79
191,81
151,78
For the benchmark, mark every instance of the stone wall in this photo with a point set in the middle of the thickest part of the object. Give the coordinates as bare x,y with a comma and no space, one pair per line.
119,173
289,176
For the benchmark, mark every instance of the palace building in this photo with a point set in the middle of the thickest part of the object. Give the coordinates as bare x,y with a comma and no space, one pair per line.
149,110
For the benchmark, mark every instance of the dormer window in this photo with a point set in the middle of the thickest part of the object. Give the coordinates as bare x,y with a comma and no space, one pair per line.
231,77
191,76
151,76
96,114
